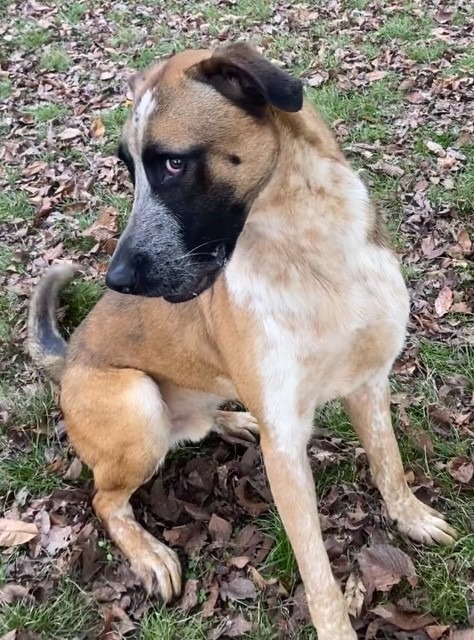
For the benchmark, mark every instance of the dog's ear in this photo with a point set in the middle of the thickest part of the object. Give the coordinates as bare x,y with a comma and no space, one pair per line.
244,76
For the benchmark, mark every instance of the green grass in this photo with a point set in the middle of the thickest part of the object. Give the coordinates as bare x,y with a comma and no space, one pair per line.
30,36
46,113
68,611
75,12
404,27
15,205
172,626
55,58
79,297
5,89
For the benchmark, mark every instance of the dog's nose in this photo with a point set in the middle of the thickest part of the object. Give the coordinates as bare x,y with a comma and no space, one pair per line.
121,277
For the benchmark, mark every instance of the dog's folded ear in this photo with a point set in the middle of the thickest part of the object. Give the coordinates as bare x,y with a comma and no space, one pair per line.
244,76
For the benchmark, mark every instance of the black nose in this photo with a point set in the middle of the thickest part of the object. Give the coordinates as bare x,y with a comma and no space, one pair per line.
121,277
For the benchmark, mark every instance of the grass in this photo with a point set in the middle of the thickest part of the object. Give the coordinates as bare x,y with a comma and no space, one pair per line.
60,618
14,205
55,58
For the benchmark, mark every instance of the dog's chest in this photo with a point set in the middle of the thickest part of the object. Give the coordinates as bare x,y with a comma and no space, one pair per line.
323,328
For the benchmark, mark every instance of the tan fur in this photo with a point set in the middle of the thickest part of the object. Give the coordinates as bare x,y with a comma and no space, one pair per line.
311,307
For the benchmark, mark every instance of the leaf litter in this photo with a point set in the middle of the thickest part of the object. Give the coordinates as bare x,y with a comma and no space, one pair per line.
206,503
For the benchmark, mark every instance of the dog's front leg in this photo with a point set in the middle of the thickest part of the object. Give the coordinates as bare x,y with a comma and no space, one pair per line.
369,410
293,490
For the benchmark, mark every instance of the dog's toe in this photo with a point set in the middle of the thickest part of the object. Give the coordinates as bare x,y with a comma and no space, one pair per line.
236,424
159,569
423,524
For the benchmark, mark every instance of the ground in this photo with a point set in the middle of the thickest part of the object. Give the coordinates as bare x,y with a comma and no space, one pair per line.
395,81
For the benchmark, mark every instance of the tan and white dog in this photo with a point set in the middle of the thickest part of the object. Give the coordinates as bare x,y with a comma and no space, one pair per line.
253,267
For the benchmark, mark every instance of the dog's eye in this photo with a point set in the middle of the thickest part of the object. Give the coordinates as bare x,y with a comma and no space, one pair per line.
174,166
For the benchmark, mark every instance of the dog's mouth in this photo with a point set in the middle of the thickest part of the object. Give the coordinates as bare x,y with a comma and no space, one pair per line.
208,274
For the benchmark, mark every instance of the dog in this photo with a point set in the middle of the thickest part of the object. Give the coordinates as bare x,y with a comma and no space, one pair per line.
253,268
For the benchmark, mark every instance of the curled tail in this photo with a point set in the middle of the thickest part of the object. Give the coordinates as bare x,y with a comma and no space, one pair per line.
45,344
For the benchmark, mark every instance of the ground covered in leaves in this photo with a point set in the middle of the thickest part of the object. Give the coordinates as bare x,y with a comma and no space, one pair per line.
395,81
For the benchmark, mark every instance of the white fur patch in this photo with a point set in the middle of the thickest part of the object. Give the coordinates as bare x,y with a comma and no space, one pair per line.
314,298
144,109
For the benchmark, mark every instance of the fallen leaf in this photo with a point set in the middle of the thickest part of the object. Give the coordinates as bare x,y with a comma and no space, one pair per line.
11,592
237,627
70,133
97,128
461,469
209,606
436,148
401,619
443,302
415,97
189,599
354,595
372,76
106,225
74,471
238,561
238,589
14,532
220,530
383,566
464,241
462,634
443,15
435,631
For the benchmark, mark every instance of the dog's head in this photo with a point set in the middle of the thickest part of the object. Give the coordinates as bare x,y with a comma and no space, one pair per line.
200,144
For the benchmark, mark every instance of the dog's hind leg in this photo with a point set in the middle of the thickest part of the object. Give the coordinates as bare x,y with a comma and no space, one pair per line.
119,425
369,411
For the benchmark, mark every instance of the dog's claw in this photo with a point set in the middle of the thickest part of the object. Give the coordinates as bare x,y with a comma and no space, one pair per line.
236,424
423,524
159,569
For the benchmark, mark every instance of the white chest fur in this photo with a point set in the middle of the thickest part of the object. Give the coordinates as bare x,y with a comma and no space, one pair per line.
331,307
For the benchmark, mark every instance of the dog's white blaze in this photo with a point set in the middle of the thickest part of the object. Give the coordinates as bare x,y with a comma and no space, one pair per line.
142,113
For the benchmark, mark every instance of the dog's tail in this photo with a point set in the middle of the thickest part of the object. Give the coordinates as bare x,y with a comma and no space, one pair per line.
45,344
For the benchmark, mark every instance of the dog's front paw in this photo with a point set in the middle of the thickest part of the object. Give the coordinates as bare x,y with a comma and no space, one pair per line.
423,524
236,424
158,568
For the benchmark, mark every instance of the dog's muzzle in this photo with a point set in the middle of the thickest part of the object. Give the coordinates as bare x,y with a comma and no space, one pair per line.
171,282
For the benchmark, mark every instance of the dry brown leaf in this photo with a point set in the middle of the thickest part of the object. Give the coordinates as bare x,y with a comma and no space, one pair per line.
415,97
464,241
106,225
462,634
238,589
354,595
74,471
401,619
436,148
443,301
238,627
436,631
189,599
97,128
70,133
15,532
382,566
461,469
220,529
372,76
11,592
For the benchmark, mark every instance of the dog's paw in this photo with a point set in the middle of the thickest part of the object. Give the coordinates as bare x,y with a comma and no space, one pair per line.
236,424
158,568
423,524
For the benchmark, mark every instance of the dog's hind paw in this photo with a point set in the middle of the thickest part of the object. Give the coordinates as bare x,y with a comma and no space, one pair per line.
423,524
236,424
158,568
